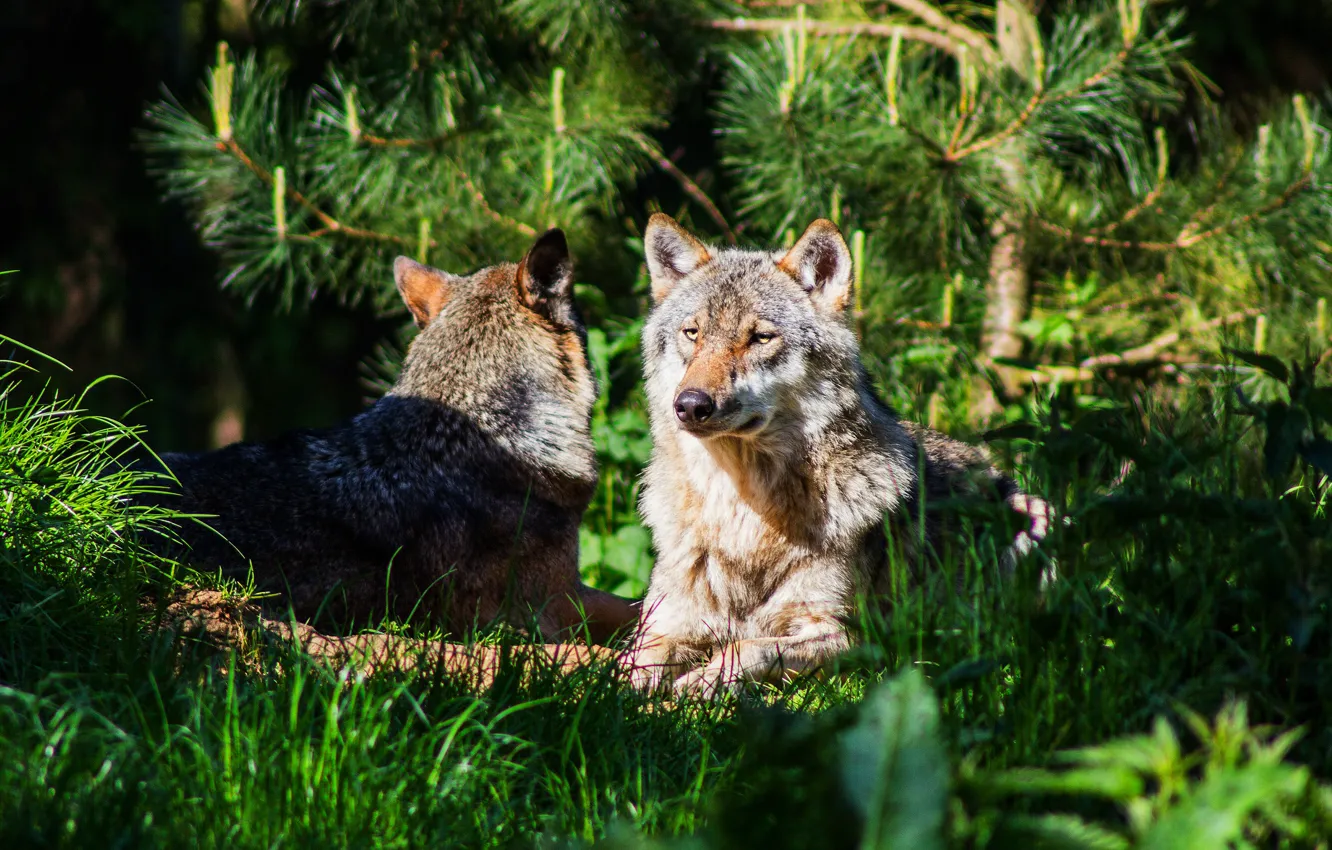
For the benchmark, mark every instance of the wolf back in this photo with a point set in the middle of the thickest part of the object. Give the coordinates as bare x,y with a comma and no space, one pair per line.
455,498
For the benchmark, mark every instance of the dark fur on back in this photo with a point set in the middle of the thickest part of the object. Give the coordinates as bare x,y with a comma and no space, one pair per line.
962,486
456,498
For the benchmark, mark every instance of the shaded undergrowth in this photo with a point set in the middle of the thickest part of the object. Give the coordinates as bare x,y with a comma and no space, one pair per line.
1170,689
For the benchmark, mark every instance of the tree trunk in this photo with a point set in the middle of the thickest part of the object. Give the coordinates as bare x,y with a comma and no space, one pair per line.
228,425
1007,291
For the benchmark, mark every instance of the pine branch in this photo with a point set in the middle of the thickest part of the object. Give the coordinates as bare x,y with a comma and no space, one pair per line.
382,142
959,127
330,224
480,198
958,32
1187,237
1121,306
1146,353
1038,98
951,155
925,35
1095,79
690,187
1150,199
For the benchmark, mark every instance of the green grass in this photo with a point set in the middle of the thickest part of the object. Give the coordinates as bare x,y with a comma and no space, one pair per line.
1127,705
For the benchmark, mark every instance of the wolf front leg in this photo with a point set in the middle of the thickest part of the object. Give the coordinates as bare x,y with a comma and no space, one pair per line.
763,659
653,661
664,644
1039,515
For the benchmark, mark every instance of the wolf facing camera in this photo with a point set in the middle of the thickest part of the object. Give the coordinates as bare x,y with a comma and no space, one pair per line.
775,465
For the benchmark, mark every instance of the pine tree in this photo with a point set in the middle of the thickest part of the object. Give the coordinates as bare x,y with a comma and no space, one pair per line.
1060,188
991,166
1033,200
452,132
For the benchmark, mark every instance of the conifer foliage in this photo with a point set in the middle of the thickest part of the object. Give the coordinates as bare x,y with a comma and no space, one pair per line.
1058,185
452,132
1041,196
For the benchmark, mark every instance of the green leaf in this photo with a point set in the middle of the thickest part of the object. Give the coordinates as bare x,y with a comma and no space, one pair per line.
588,295
590,549
616,445
1056,832
598,356
1214,814
1112,781
629,419
45,475
629,587
629,551
1266,362
1140,753
1061,333
1031,328
918,354
894,768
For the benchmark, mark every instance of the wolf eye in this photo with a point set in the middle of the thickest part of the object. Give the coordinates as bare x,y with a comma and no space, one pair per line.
764,337
690,334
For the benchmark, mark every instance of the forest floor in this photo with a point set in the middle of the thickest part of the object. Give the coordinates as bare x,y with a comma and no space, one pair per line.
1171,689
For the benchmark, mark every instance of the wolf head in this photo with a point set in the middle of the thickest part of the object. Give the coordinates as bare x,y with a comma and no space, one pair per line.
506,347
748,343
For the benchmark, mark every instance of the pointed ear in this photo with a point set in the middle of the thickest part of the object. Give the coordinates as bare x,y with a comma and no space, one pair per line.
424,290
821,263
545,275
672,253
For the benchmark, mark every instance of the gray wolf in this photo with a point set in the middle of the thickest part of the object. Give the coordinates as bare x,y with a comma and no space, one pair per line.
777,475
455,498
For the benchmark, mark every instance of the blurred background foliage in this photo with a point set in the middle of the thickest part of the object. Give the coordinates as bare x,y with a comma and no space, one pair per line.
1088,196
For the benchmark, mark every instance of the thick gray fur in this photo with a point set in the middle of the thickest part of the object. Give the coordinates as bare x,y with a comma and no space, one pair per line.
456,498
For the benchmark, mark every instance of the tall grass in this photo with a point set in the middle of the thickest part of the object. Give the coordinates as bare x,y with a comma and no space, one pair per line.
1171,689
71,573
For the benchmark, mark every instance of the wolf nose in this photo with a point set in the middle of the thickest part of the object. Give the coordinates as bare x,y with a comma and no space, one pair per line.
693,406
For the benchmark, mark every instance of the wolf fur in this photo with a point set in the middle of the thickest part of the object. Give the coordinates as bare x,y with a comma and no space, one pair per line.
455,498
774,464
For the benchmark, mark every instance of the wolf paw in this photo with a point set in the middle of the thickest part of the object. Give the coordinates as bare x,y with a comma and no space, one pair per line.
647,672
647,679
1039,515
707,682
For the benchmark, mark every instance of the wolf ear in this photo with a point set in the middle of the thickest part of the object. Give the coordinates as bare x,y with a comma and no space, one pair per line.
545,275
672,253
424,290
821,263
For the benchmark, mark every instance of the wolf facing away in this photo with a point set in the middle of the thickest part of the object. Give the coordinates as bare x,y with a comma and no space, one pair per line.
774,464
456,497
